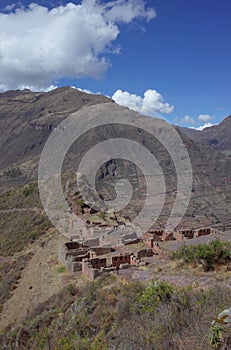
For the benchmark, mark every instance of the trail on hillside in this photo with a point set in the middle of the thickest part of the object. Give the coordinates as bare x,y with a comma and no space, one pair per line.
40,280
12,210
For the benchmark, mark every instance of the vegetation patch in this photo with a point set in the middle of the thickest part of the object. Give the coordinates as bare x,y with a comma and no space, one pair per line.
210,255
10,274
116,314
13,173
61,269
23,197
17,229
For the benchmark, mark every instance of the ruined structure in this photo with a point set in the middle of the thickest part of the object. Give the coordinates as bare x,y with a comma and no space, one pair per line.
71,254
180,235
80,257
93,251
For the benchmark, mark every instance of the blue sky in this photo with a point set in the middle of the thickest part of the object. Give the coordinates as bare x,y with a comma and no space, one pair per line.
183,53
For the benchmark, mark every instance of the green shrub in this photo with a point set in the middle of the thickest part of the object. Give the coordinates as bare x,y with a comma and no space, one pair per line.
61,269
29,189
13,173
80,202
209,255
101,215
72,289
216,337
186,253
102,316
153,294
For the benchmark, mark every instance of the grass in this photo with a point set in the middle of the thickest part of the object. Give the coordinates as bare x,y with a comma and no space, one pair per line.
23,197
210,255
118,314
19,223
10,274
61,269
17,229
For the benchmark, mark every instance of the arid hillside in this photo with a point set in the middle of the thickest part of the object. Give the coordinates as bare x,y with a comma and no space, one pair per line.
27,119
40,299
217,136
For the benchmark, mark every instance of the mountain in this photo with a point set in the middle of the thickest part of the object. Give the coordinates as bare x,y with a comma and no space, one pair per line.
42,306
28,118
217,136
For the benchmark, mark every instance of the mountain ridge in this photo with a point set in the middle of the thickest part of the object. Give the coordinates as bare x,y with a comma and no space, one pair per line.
216,136
29,118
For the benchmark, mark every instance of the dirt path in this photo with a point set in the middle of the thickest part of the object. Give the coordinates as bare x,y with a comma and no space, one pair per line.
37,210
40,280
174,245
180,279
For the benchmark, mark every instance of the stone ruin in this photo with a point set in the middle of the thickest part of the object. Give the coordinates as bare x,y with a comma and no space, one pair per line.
76,256
86,253
71,254
153,235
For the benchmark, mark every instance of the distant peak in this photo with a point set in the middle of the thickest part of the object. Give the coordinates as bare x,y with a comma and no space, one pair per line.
227,119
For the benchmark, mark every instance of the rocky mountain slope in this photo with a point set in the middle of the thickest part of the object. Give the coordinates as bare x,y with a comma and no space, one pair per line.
28,118
44,307
218,136
115,313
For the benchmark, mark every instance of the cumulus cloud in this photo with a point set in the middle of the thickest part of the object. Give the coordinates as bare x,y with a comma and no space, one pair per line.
202,127
187,120
126,11
83,90
39,45
32,88
204,117
9,8
152,102
86,91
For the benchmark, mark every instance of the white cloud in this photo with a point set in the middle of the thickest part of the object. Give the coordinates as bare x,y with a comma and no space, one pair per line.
39,46
125,11
152,102
84,90
88,91
9,8
187,120
204,117
40,89
202,127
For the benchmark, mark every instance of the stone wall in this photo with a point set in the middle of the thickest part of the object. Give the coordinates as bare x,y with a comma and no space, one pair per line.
77,252
63,254
189,234
101,250
178,236
92,242
134,260
160,235
72,245
144,253
156,232
97,263
168,236
72,266
131,241
205,231
121,259
88,270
